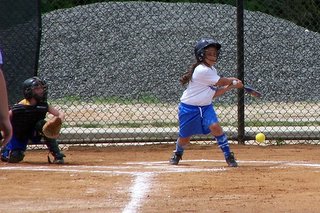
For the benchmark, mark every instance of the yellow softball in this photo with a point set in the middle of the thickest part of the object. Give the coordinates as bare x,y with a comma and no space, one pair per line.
260,137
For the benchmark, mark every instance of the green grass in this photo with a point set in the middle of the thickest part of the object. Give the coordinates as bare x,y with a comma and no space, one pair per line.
76,100
159,124
91,125
126,125
280,142
282,123
145,98
68,100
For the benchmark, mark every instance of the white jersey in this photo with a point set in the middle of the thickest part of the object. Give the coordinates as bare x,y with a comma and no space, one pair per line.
201,88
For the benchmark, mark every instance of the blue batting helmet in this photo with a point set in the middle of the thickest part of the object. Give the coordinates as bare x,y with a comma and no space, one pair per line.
202,44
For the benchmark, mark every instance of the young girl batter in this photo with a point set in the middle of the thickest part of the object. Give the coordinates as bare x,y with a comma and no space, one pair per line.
196,112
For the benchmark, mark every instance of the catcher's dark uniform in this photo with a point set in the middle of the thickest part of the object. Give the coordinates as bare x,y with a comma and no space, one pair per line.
27,122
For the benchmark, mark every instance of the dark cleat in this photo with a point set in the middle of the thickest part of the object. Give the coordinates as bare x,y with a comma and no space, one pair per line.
231,161
176,157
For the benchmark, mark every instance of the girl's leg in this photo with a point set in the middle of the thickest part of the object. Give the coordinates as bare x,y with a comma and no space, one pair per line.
180,147
223,143
181,144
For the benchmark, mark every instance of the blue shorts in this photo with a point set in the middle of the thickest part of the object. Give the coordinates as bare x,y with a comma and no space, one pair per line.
195,119
16,144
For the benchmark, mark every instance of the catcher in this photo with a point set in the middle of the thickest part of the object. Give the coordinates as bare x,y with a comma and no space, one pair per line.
28,122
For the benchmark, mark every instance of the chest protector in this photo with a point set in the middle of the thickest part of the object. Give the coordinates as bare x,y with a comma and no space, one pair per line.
25,117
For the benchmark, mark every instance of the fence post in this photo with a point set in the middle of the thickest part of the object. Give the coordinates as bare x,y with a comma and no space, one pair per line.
240,71
38,2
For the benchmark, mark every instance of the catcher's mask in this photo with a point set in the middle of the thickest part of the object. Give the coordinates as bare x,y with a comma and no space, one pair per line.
202,44
30,84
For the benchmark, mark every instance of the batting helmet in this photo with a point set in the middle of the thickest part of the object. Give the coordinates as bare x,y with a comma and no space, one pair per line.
202,44
30,84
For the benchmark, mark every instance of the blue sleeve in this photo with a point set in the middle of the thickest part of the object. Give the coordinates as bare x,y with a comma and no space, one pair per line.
1,58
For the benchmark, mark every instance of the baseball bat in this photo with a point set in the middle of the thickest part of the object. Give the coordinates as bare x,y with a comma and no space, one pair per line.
250,90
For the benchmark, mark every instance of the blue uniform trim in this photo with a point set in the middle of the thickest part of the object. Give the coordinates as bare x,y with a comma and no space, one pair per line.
20,144
223,144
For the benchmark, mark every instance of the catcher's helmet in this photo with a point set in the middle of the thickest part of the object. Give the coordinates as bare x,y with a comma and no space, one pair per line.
30,84
202,44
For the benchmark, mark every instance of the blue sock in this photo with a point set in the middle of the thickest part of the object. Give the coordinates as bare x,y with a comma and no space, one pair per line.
222,141
179,148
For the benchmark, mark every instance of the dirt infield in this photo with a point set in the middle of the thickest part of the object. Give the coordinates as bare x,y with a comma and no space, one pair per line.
139,179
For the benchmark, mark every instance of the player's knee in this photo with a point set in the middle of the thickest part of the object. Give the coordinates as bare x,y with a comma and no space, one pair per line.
15,156
216,129
184,141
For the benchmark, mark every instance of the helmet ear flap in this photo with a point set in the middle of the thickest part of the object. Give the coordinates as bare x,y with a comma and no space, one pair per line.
201,55
28,93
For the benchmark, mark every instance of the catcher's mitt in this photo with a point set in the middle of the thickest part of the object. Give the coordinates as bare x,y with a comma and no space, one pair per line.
51,129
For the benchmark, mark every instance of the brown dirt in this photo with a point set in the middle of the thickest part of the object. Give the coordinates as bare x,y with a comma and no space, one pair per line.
138,179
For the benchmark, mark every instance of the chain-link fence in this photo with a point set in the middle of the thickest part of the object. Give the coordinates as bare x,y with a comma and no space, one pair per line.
113,68
281,52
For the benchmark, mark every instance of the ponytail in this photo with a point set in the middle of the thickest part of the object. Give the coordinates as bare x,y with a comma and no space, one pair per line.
187,76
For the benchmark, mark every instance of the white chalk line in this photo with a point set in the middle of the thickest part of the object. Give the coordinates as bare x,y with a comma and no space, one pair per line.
246,162
129,169
141,186
144,172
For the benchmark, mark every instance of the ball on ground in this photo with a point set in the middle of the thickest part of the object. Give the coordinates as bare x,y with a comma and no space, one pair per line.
260,137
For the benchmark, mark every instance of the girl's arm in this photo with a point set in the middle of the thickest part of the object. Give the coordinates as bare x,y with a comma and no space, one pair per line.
224,81
234,83
5,124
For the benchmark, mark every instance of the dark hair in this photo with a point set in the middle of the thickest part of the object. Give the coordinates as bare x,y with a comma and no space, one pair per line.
199,54
186,78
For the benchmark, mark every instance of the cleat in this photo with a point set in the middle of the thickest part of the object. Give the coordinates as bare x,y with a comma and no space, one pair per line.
4,153
4,159
176,157
231,161
58,161
58,158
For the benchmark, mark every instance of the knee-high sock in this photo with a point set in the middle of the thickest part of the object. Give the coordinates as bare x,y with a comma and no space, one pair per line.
222,141
179,148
